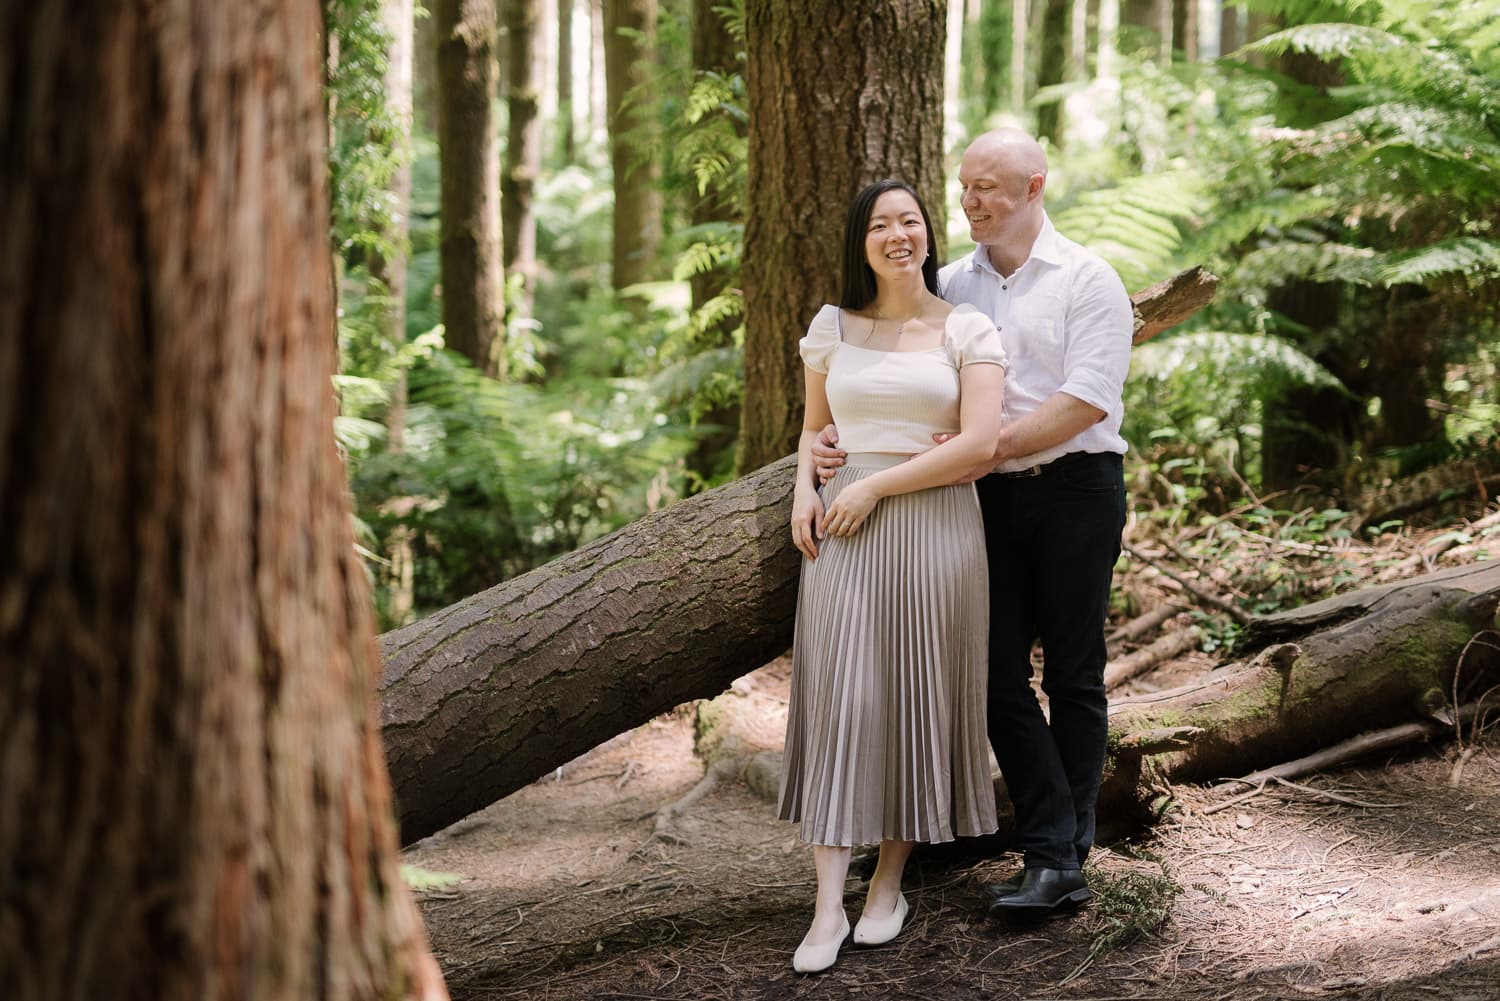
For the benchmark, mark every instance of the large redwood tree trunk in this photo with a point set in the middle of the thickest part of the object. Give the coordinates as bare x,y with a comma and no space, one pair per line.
193,802
840,94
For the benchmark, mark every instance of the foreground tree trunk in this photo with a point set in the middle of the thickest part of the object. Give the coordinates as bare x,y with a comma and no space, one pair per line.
469,189
806,60
497,690
193,802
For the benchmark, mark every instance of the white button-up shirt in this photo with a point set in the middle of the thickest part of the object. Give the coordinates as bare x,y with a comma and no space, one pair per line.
1066,323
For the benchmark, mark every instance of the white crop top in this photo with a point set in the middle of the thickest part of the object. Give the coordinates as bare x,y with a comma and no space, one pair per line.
895,401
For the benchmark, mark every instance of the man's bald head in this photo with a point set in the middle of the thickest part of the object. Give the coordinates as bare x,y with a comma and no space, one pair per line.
1003,174
1021,154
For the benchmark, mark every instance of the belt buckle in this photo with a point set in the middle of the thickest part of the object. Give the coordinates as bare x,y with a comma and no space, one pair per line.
1021,474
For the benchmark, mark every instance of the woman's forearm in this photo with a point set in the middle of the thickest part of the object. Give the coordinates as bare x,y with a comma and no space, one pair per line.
938,466
806,471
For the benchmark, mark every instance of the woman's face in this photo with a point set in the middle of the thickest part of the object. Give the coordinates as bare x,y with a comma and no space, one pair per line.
896,236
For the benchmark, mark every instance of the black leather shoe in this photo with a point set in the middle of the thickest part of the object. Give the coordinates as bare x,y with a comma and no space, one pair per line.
1043,890
1010,884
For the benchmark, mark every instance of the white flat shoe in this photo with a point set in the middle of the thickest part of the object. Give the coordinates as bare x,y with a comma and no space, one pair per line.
817,958
878,931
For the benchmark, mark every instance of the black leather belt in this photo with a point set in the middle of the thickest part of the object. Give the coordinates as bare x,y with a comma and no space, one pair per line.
1047,467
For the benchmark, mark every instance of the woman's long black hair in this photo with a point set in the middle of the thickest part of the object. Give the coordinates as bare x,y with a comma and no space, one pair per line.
859,277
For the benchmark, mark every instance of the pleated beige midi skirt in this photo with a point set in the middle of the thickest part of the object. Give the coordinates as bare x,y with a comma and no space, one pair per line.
886,724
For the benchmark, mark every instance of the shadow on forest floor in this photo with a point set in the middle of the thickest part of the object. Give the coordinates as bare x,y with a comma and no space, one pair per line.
1377,884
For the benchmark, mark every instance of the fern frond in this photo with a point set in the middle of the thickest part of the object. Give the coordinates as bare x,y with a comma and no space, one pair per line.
1137,225
1475,259
1288,260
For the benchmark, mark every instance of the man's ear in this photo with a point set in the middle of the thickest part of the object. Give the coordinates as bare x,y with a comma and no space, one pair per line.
1034,185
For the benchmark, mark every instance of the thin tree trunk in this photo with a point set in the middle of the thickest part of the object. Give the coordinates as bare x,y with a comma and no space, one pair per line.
806,162
566,113
193,799
469,200
523,148
1078,49
629,51
1052,64
1107,54
598,129
1018,36
390,271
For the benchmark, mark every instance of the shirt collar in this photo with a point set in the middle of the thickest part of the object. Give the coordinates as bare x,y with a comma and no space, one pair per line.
1047,248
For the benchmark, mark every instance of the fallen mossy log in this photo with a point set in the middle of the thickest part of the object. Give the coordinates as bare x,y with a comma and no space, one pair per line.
1356,662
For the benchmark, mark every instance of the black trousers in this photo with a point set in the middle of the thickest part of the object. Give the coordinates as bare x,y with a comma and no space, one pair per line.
1053,539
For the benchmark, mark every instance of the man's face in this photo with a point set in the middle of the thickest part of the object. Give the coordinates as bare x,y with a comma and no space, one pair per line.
996,194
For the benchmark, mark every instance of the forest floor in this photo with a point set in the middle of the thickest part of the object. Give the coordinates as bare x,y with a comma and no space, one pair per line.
1389,892
1375,882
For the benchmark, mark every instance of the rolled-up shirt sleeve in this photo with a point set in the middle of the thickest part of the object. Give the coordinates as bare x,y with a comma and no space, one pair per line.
1099,323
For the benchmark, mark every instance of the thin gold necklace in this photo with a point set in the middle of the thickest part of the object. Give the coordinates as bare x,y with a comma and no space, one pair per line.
900,324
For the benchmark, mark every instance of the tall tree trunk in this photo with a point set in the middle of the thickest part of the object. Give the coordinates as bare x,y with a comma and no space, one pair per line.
390,271
986,47
1052,64
1018,37
629,48
1185,28
598,129
1078,46
1107,53
566,143
193,797
806,162
523,148
469,197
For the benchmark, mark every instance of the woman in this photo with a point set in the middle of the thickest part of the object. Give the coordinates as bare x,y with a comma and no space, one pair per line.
885,731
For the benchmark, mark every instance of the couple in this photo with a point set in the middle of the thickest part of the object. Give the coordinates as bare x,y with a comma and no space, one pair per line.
930,571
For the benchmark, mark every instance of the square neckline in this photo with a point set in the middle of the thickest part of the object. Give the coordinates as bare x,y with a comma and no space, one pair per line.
838,320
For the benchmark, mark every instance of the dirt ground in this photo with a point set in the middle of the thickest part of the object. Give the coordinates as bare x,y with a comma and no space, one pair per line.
1378,883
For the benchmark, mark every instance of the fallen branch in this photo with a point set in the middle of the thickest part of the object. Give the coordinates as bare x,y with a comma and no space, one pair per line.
1167,303
1353,749
1212,600
1145,622
1485,487
1173,644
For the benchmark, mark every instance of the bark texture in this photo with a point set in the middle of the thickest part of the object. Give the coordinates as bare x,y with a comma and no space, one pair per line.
497,690
469,188
840,95
193,802
629,48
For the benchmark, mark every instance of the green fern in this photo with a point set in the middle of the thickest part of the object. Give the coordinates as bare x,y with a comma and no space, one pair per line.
1474,259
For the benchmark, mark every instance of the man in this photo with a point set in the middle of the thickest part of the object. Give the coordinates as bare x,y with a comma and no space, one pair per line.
1053,503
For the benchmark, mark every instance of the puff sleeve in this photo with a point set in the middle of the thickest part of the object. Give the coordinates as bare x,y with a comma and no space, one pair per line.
973,339
821,340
